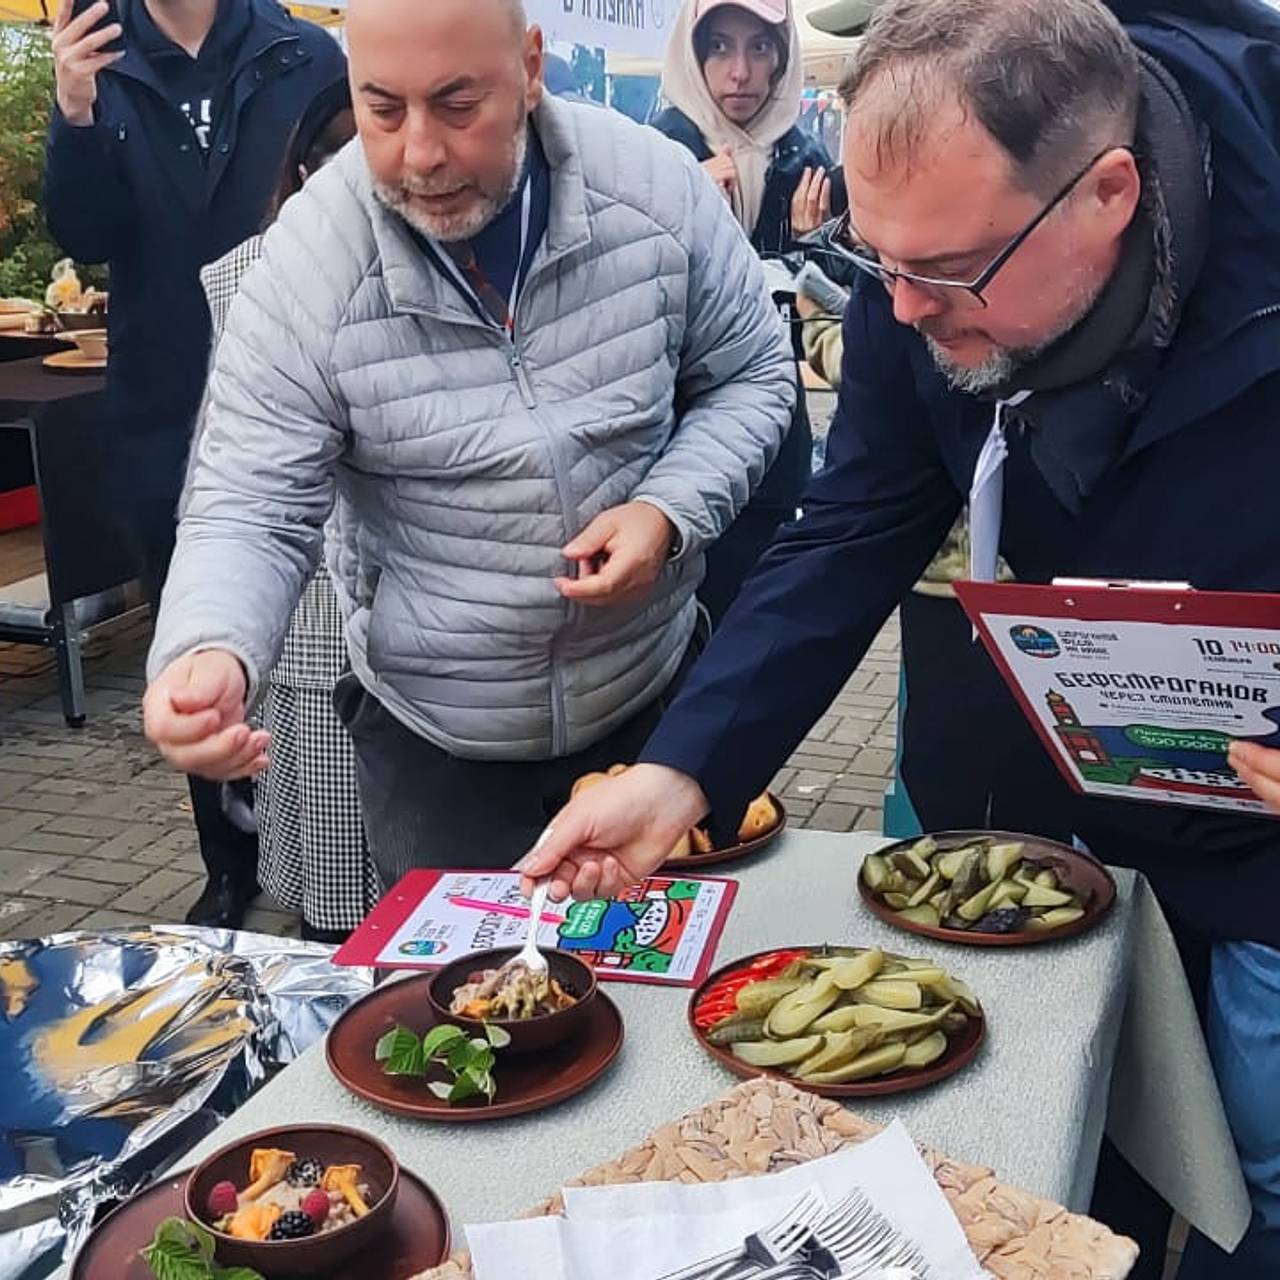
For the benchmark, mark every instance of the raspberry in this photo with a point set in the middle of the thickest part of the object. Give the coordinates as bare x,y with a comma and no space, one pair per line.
294,1225
316,1206
224,1199
305,1173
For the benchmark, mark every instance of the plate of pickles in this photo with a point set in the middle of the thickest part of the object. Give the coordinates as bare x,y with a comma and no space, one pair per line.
987,888
839,1021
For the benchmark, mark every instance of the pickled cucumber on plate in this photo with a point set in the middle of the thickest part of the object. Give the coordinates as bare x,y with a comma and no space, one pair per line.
837,1015
981,886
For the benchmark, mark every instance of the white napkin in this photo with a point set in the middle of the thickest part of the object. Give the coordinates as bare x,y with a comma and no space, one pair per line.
644,1230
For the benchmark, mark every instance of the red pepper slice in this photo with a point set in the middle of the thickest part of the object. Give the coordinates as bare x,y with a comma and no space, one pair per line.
720,1001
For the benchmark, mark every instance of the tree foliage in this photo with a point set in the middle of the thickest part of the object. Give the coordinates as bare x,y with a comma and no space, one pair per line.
27,251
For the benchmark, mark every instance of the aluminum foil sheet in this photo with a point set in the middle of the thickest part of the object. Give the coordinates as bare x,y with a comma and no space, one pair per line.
120,1050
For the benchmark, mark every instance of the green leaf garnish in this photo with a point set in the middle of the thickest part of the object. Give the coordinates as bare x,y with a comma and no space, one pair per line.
183,1250
400,1052
469,1061
399,1040
464,1087
440,1038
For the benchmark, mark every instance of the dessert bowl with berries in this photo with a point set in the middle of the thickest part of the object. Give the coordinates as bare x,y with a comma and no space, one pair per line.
294,1201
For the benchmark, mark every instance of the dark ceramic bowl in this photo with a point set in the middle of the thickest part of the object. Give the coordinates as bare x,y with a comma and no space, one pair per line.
528,1035
313,1255
73,321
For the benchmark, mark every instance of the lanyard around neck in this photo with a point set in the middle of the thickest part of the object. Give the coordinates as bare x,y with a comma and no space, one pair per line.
460,260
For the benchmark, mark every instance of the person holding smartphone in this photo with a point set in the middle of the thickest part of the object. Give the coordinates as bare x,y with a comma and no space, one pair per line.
171,121
733,82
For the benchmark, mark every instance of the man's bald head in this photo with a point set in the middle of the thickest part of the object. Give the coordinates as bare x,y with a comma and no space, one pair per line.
513,10
442,93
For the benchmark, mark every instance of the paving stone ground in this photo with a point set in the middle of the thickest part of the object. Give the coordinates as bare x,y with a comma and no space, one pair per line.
96,831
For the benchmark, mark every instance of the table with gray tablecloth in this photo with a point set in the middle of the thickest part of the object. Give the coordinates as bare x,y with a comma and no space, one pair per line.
1072,1025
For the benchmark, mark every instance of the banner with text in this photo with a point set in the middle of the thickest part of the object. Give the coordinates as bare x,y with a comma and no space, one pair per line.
622,26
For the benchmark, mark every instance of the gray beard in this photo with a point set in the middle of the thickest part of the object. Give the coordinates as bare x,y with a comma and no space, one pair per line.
974,379
999,368
461,226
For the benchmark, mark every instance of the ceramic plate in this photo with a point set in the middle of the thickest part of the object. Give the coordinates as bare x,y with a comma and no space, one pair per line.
1078,871
961,1049
526,1081
696,861
416,1238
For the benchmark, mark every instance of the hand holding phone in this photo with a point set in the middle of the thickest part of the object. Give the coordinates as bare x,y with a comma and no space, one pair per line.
86,40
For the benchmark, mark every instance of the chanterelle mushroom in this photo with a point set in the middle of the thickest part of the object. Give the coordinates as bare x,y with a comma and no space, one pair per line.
254,1221
342,1177
267,1167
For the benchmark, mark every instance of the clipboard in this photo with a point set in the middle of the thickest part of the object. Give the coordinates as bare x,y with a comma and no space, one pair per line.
1136,689
664,930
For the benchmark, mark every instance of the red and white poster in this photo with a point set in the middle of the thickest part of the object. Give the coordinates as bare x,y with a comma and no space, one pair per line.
1137,690
663,930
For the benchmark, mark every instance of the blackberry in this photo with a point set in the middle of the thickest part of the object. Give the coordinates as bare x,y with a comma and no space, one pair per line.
305,1173
294,1225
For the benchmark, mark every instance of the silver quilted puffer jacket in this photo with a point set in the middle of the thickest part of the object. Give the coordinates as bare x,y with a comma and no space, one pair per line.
647,362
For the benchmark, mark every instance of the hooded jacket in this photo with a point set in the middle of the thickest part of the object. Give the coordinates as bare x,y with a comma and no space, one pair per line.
1189,498
133,190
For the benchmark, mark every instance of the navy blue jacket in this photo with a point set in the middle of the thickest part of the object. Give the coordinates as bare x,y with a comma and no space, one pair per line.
1193,498
133,191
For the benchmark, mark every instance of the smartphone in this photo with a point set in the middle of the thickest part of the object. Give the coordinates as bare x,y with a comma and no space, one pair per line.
112,16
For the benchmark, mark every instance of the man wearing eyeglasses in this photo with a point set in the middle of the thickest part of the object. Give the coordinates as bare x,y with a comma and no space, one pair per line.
1067,229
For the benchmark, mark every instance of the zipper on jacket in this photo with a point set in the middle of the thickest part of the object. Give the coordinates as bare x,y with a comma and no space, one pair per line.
519,372
559,714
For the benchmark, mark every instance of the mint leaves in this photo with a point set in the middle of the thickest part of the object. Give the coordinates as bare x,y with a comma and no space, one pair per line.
469,1062
181,1250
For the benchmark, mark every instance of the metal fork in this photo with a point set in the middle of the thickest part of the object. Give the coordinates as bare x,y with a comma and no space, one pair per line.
795,1270
856,1241
768,1247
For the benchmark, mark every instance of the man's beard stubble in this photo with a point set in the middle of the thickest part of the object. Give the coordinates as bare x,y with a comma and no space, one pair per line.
459,226
1000,367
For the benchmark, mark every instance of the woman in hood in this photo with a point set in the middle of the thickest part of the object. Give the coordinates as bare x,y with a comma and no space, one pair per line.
733,81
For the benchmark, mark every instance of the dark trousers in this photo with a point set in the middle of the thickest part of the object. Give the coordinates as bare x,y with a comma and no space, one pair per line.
423,807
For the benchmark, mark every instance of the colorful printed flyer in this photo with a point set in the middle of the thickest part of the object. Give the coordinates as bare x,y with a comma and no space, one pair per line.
1137,691
664,930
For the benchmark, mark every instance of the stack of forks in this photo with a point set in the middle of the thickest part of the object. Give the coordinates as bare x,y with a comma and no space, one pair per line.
851,1241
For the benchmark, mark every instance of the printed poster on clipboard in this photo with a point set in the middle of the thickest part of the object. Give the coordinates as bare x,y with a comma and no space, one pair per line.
1138,690
663,930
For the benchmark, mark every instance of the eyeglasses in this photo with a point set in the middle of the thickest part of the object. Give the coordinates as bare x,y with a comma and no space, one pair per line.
837,239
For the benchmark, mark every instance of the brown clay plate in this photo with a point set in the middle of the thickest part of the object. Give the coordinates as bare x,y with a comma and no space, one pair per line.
526,1081
1080,872
416,1237
696,861
961,1050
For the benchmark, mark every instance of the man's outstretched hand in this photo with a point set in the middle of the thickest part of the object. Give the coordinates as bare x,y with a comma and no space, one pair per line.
615,833
194,712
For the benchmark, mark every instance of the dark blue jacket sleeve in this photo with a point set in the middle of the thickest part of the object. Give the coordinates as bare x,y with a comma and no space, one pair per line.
86,199
873,518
